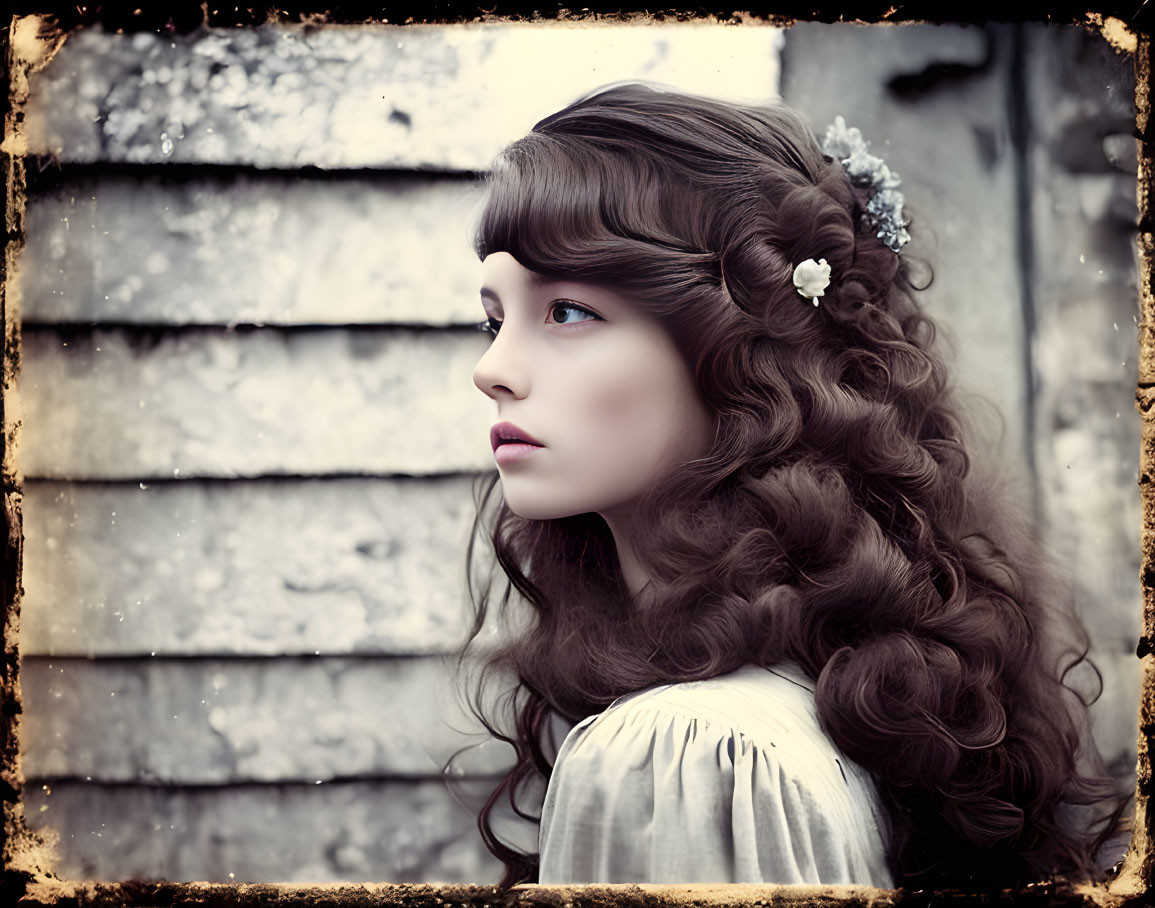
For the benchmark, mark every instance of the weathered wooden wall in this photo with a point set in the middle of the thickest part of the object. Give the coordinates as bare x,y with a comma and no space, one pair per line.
250,427
250,430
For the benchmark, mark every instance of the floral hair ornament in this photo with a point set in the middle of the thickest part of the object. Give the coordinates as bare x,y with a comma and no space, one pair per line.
811,278
884,208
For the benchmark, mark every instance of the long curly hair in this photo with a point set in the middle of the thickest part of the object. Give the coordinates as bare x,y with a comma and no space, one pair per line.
836,521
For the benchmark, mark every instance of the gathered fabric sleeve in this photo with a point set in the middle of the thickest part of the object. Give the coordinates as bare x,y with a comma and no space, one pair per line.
644,794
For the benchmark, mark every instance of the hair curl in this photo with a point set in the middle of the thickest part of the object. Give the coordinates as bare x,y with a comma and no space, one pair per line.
836,521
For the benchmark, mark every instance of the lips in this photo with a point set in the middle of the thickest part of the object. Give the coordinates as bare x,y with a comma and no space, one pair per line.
508,433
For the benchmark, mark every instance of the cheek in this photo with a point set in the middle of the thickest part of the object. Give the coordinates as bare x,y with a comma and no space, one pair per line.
628,411
616,404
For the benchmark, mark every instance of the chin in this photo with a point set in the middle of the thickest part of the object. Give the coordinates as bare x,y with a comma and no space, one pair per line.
531,507
538,511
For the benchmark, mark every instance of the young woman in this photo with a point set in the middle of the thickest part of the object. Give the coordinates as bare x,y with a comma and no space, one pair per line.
795,637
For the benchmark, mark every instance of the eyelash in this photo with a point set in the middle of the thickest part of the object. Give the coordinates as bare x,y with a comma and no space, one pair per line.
491,325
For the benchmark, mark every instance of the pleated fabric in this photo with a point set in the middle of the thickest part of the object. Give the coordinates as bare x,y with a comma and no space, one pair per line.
729,780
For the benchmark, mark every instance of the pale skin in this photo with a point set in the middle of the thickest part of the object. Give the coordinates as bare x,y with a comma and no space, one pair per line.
599,382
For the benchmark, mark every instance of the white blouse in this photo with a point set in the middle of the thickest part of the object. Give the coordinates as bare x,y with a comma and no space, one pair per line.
728,780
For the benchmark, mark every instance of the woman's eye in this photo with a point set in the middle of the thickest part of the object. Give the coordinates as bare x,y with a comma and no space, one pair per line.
565,313
491,326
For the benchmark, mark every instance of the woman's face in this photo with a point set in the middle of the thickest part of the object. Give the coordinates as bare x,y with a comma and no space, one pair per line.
596,381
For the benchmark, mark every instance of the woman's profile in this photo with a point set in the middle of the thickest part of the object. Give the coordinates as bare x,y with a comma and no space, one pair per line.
797,638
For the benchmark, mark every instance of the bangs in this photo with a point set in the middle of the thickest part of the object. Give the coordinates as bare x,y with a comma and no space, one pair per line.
570,208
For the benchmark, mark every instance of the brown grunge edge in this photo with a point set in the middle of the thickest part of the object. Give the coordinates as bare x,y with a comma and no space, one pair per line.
29,42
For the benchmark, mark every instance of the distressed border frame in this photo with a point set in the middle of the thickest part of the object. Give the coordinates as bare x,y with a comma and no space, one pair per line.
28,878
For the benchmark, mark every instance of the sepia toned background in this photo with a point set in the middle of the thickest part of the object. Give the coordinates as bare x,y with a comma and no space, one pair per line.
249,427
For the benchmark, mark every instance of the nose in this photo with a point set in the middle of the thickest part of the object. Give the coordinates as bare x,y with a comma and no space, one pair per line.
500,371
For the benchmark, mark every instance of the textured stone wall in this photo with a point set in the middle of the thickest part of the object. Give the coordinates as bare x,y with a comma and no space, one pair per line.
949,141
1081,163
1016,150
250,430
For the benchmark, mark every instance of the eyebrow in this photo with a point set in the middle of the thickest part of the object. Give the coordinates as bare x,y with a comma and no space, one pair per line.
537,280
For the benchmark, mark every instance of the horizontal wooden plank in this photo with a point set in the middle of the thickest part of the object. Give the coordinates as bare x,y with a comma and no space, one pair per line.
251,249
372,96
268,567
261,567
128,404
382,831
210,721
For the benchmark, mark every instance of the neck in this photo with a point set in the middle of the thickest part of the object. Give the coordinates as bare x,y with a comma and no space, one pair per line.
635,576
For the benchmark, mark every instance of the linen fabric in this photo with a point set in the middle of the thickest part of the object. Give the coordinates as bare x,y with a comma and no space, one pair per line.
728,780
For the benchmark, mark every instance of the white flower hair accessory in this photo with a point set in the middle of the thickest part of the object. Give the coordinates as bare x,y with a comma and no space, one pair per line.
884,208
811,278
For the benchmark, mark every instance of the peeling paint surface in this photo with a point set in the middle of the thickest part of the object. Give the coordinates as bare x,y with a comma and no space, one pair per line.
372,96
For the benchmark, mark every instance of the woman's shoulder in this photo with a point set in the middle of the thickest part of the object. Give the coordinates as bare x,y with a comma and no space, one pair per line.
744,756
764,715
747,698
770,706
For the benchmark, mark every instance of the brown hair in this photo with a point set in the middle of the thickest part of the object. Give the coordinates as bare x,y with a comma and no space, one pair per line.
836,521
